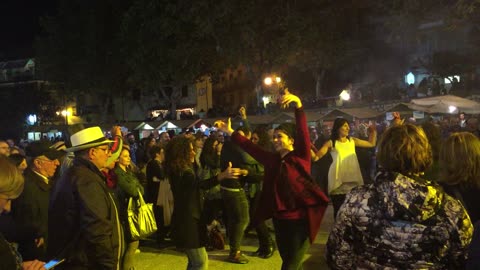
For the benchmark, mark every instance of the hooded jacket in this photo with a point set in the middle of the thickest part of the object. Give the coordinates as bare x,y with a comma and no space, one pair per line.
399,223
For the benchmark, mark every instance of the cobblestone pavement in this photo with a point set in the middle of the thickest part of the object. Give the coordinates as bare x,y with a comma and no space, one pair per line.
170,259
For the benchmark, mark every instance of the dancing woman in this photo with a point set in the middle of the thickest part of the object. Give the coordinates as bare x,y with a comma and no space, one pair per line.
289,194
189,226
344,173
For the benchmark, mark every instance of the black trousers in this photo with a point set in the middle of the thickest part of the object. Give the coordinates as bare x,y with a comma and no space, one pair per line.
264,238
337,201
292,241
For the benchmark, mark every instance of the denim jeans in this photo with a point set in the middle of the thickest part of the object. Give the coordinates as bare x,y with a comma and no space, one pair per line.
197,258
292,241
236,210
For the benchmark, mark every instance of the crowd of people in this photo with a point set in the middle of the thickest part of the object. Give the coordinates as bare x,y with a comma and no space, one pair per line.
411,205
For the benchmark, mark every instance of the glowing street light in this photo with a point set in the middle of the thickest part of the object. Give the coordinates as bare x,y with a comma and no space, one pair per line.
452,109
268,81
65,113
271,79
344,95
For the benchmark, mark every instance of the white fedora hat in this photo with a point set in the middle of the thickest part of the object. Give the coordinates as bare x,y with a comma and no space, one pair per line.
87,138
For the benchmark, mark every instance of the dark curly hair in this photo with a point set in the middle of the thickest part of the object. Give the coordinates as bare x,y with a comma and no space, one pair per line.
264,139
178,154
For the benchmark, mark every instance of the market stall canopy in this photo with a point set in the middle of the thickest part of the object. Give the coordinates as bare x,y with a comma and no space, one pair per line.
167,125
283,117
400,107
351,113
312,116
188,123
145,126
445,104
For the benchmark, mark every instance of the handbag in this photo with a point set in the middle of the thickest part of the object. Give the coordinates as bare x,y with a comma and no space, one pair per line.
141,219
165,200
216,239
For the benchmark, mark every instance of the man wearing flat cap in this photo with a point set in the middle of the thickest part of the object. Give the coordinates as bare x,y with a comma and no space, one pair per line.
84,225
30,209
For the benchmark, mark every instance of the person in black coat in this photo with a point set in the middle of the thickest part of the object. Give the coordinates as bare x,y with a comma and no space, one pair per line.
30,209
189,226
83,213
155,174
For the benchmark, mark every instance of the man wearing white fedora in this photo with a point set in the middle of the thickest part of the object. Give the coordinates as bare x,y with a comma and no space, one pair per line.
84,225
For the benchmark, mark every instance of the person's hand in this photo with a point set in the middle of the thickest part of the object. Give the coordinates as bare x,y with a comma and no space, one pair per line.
243,112
219,147
33,265
39,242
372,129
229,173
225,127
288,98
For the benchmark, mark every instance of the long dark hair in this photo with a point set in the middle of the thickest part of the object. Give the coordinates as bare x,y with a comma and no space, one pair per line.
209,156
339,122
264,139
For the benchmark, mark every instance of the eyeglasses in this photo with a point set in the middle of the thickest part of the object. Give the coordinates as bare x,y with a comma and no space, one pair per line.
105,150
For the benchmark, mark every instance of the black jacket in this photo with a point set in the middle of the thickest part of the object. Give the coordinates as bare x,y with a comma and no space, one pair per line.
30,212
154,169
84,225
189,228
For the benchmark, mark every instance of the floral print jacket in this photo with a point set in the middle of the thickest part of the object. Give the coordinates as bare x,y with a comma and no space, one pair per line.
399,223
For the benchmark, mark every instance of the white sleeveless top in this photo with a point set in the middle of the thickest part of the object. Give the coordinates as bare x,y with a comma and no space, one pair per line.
344,173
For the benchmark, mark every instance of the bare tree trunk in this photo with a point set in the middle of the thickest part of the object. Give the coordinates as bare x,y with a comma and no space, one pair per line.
318,83
173,110
104,111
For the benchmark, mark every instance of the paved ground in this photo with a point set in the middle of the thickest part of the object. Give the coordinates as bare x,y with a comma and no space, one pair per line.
152,258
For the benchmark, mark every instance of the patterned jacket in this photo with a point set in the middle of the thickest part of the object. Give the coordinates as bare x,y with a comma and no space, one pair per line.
399,223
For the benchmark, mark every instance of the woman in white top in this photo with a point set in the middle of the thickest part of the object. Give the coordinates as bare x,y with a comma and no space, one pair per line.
344,173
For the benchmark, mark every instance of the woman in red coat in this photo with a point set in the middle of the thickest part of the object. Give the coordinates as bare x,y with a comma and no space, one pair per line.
289,195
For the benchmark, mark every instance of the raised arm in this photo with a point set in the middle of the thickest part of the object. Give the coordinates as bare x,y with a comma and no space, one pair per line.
372,138
302,142
323,150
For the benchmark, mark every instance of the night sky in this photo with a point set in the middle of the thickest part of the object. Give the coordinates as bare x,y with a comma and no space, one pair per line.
19,23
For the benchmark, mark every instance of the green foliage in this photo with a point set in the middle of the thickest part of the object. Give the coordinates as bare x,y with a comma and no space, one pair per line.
79,47
155,47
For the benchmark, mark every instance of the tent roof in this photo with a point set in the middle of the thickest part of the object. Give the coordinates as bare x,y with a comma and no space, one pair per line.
151,125
360,113
313,116
442,104
399,107
187,123
283,117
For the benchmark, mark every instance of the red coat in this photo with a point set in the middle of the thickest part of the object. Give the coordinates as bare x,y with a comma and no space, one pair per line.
304,198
